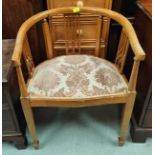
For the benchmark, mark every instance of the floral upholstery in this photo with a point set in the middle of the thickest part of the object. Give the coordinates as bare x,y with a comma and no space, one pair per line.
76,76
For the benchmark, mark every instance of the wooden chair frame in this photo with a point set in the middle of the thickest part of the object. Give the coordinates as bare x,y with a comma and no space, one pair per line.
128,36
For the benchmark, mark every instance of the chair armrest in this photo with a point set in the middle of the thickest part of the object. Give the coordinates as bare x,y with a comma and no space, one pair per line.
135,45
18,47
131,35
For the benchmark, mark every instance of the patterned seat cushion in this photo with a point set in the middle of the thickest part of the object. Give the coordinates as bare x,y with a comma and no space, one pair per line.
76,76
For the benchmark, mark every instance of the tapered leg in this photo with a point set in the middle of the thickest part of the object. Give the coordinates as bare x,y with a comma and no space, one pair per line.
127,111
27,109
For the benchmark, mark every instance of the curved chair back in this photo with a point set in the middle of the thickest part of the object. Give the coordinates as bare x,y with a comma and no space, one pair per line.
129,31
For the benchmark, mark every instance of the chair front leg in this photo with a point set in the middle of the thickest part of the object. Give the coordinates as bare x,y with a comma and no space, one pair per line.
127,112
27,109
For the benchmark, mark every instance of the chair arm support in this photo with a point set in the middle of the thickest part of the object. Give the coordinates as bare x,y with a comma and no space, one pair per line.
18,47
136,47
122,51
134,75
22,84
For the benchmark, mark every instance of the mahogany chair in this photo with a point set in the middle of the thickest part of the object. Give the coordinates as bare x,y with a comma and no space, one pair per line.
76,79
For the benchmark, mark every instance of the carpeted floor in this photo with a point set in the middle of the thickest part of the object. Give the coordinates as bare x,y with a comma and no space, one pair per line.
84,131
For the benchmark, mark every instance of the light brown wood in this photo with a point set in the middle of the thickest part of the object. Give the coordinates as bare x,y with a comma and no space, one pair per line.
52,4
30,121
122,52
28,57
87,26
48,39
105,35
86,34
128,29
127,111
99,33
127,98
134,74
50,102
72,33
22,84
66,35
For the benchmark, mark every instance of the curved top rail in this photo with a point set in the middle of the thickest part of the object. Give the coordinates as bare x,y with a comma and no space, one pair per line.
123,21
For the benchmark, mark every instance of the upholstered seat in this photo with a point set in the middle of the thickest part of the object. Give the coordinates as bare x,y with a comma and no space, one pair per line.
76,76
